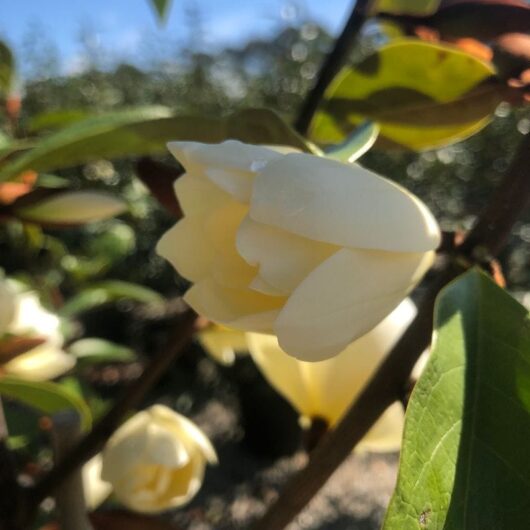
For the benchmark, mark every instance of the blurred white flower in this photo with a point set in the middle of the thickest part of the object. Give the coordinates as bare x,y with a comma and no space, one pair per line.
325,389
96,490
29,319
156,460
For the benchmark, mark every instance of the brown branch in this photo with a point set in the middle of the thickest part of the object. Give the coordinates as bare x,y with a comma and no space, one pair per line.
386,386
94,441
332,64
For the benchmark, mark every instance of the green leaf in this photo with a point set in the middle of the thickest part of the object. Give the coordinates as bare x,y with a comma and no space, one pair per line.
56,119
357,144
161,8
48,398
7,69
423,95
407,7
146,131
109,291
464,462
94,350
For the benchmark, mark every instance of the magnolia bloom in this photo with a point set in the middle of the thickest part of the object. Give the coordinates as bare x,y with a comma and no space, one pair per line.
29,319
156,460
223,344
312,250
325,389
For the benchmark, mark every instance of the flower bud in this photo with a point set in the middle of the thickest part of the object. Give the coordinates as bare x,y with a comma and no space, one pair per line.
309,249
325,389
156,460
73,207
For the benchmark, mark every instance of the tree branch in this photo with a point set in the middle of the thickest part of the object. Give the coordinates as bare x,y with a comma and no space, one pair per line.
386,386
94,441
332,64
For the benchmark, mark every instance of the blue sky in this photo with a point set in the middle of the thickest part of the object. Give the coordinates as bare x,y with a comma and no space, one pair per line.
124,26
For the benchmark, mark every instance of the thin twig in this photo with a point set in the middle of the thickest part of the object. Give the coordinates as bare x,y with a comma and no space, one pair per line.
386,386
332,64
94,441
70,495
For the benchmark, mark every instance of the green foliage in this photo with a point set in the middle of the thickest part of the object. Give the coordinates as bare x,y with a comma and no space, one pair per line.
108,291
94,350
7,69
47,398
161,8
146,131
464,463
423,95
407,7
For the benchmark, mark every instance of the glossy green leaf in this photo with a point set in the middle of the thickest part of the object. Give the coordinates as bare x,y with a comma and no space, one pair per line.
161,8
108,291
464,462
48,398
422,95
146,131
95,350
407,7
357,143
7,69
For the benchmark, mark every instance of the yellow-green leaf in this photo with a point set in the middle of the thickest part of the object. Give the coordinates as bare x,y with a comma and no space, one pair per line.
423,95
407,7
48,398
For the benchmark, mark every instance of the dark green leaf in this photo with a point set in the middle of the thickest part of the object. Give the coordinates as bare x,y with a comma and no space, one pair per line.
161,8
94,350
422,95
464,462
7,67
109,291
48,398
146,131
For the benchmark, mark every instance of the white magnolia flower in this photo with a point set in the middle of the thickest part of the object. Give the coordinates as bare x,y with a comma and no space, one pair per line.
96,490
325,389
156,460
309,249
29,318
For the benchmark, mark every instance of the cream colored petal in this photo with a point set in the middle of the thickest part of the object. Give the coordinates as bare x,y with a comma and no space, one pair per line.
284,259
237,183
230,154
237,308
221,226
96,490
41,363
164,448
198,195
31,317
187,247
223,343
7,304
342,204
125,449
336,382
283,372
344,298
184,429
385,436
